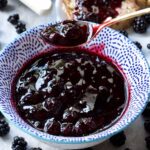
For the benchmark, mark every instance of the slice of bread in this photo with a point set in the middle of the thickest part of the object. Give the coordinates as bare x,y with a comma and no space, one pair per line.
127,6
143,3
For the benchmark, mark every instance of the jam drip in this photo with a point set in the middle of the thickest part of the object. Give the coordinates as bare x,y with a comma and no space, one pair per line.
96,10
69,93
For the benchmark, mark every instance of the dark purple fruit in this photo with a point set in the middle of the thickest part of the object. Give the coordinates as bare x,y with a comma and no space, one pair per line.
13,19
52,127
67,129
19,143
118,139
4,127
138,44
147,140
146,112
148,46
139,25
125,33
147,125
147,18
3,3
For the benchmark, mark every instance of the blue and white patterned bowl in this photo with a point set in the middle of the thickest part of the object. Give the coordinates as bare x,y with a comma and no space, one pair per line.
117,47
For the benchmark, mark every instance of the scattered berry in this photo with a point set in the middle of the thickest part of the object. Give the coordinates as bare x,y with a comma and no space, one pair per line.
147,125
35,148
148,46
4,127
14,19
138,44
20,27
139,25
3,3
118,139
1,115
20,30
147,140
146,112
125,33
19,143
147,18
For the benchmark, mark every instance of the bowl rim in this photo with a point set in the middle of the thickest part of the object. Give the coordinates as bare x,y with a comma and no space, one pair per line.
88,140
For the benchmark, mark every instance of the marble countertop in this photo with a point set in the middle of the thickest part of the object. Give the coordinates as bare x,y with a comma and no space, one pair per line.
135,132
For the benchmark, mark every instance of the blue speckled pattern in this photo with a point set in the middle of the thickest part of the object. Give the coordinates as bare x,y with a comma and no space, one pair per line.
116,46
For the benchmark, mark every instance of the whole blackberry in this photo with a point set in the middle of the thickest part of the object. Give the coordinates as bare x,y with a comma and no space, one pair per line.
19,143
146,112
147,125
20,27
3,3
118,139
147,18
4,127
1,115
139,25
125,33
138,44
148,46
33,148
20,30
147,140
14,19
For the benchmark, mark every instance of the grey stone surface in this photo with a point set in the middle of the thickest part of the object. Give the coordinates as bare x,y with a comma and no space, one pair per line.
135,132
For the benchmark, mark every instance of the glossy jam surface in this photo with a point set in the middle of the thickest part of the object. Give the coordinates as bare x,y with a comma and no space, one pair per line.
69,93
96,10
66,33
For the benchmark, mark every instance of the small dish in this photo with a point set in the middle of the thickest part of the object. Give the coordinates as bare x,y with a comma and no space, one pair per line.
117,47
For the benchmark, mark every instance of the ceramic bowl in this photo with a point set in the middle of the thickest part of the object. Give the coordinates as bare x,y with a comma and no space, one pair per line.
115,46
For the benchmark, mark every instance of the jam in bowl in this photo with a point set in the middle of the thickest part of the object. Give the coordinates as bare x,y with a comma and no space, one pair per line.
69,93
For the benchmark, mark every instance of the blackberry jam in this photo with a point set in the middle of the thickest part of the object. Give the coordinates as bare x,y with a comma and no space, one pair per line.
96,10
66,33
69,93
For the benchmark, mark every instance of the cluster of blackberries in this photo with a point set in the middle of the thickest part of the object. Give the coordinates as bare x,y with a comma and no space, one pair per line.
15,20
19,143
140,24
146,115
3,3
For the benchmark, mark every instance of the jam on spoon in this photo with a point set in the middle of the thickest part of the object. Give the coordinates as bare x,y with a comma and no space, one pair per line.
75,33
66,33
69,93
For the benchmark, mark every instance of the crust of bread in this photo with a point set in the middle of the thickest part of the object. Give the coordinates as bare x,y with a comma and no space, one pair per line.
68,7
127,6
142,3
148,2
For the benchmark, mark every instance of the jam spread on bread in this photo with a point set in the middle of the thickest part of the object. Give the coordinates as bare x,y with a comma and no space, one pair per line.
95,10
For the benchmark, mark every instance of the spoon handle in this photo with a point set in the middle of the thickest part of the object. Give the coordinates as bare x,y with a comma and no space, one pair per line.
124,17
